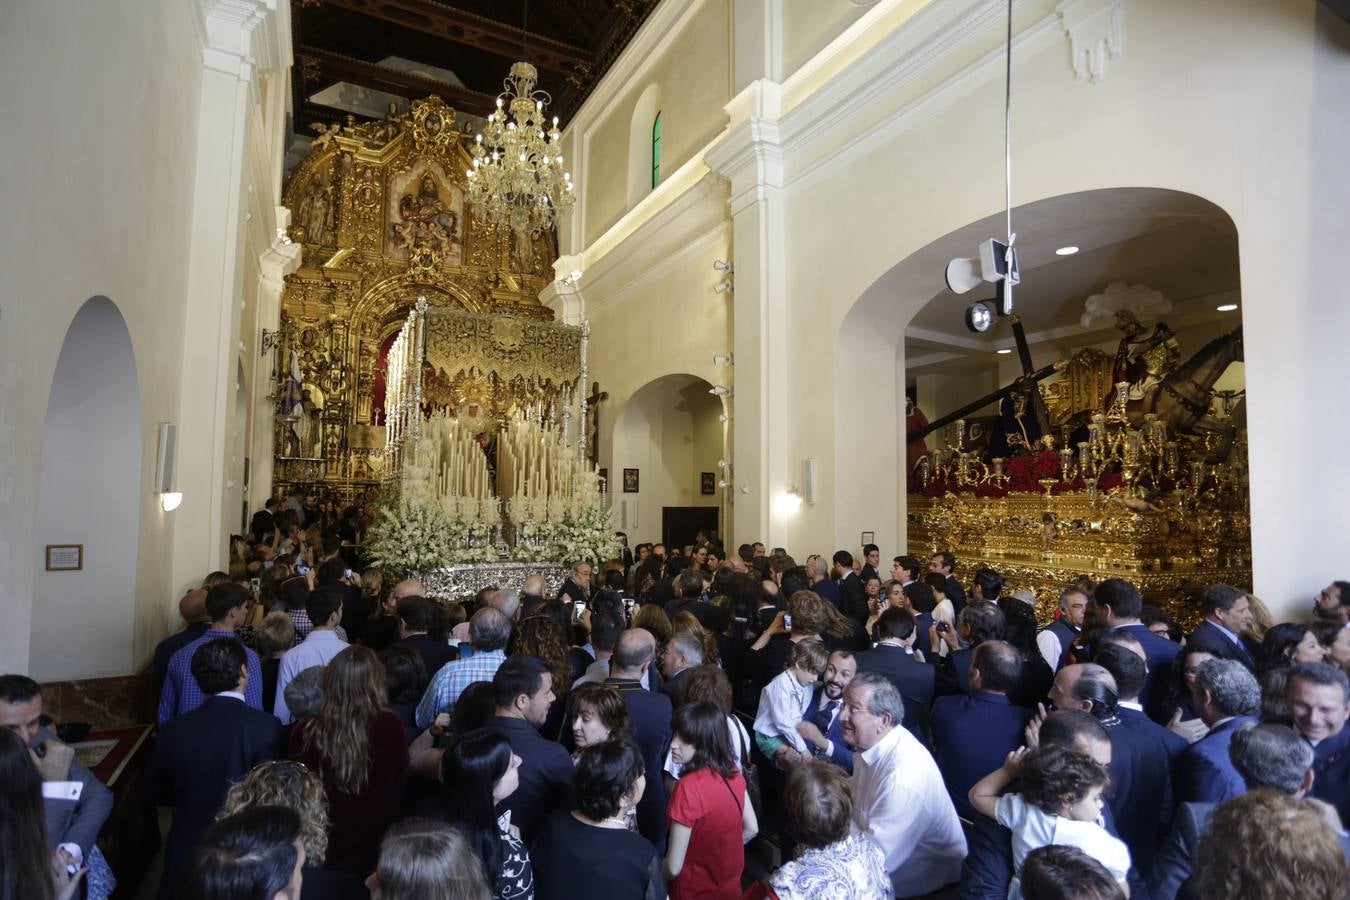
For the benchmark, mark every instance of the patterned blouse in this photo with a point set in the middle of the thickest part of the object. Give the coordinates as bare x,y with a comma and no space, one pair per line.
516,879
851,869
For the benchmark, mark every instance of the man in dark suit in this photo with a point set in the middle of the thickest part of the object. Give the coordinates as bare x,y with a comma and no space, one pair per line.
193,610
1227,698
523,691
1228,613
820,727
692,588
944,564
1318,695
264,520
921,602
356,610
576,587
1119,606
1266,756
894,658
683,652
988,866
980,621
414,618
871,559
198,755
818,574
1143,812
974,732
852,591
650,713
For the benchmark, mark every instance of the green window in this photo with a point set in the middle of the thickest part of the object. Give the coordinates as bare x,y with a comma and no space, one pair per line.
656,150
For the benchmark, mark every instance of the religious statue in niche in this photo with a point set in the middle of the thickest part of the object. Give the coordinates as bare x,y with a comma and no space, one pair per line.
316,216
425,214
523,251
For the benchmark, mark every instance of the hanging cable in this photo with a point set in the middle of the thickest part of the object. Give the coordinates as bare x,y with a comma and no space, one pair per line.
1007,127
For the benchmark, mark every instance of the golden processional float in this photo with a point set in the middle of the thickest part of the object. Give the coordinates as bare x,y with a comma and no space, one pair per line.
412,338
1139,471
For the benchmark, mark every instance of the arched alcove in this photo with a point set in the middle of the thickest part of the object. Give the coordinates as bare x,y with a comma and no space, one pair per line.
669,430
908,329
640,143
89,494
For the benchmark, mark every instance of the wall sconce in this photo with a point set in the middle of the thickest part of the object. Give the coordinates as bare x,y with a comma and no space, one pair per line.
170,500
720,390
787,503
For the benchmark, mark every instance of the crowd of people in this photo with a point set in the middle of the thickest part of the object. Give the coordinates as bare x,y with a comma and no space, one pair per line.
694,723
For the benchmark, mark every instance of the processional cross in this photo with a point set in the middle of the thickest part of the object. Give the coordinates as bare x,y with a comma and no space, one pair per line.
593,423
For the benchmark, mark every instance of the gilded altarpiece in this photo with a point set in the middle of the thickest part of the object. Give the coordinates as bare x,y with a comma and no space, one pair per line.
379,209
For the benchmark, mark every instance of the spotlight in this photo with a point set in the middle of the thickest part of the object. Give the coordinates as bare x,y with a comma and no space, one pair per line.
576,275
721,265
722,464
720,360
1227,307
723,483
996,262
170,500
720,390
979,316
722,287
1066,251
724,418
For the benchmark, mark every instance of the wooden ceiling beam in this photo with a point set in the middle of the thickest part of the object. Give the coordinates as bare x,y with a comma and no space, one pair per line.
470,30
321,67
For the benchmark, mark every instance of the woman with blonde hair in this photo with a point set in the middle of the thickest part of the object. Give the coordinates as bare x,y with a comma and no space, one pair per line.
296,787
1266,845
360,750
421,860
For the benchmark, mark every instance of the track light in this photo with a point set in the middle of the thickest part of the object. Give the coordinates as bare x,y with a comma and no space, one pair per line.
721,360
722,287
721,265
979,316
720,390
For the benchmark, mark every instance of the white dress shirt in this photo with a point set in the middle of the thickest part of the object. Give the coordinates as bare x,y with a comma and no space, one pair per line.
899,799
782,704
316,650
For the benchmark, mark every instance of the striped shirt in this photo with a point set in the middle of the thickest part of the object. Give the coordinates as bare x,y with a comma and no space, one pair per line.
452,679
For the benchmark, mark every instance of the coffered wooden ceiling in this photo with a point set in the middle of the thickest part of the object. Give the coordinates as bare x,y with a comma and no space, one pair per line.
345,47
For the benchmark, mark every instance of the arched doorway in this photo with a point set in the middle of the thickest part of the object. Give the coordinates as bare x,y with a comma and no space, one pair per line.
89,494
668,441
1173,254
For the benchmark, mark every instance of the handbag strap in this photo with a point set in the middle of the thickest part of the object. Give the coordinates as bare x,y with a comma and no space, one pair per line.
739,808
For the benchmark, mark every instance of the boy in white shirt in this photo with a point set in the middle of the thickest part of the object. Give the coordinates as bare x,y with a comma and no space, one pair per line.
784,701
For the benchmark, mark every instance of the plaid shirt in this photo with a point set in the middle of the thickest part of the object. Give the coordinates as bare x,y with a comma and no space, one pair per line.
451,681
303,627
181,693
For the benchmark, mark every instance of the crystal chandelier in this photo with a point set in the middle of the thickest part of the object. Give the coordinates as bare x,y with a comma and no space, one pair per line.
517,179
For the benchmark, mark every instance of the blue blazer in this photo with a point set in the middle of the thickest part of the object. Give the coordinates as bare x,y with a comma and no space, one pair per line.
840,754
1205,773
972,734
912,678
1209,638
1143,756
198,755
1331,772
650,713
1160,653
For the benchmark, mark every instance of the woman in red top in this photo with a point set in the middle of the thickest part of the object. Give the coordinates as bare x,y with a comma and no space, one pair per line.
360,749
710,820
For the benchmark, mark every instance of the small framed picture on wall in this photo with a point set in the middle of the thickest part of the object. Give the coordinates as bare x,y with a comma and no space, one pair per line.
630,481
707,483
65,557
869,537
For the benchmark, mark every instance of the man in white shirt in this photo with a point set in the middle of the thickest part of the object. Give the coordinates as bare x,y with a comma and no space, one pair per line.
898,794
324,607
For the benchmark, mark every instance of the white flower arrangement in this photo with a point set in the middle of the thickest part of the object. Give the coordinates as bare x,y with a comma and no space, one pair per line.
412,536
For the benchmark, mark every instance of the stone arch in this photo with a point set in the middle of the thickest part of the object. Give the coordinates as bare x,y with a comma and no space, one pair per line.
89,493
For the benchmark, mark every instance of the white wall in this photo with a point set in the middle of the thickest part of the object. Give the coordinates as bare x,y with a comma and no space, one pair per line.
83,621
890,139
102,183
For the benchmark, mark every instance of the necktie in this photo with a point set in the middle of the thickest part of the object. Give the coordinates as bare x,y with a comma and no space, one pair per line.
824,716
